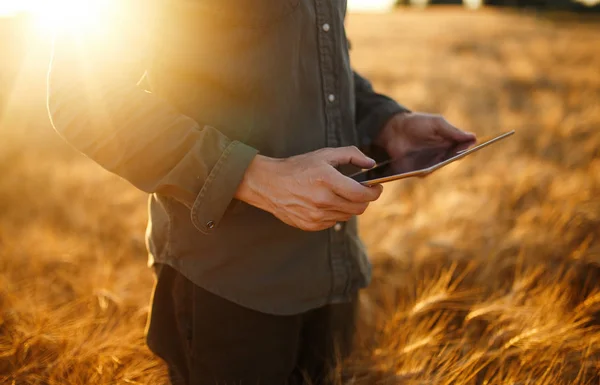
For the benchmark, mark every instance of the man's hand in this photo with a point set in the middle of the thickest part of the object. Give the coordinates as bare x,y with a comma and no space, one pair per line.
306,191
407,132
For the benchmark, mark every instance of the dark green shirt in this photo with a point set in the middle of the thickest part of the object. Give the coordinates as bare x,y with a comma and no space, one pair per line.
227,79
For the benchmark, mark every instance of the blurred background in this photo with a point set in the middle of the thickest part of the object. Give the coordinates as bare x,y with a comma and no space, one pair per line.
486,272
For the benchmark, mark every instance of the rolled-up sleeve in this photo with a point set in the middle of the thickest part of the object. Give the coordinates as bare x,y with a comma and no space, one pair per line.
220,185
373,110
95,104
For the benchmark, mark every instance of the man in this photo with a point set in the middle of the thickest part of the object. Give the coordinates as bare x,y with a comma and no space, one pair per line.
253,107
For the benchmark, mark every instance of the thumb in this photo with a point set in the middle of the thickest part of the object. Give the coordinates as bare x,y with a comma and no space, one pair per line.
451,132
348,155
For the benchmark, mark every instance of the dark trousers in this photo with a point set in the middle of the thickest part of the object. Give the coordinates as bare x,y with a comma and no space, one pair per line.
207,340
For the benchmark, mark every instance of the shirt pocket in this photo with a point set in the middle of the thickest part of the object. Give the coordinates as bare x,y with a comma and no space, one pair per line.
241,13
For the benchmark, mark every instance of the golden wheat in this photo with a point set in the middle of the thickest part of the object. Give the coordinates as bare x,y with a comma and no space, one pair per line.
487,272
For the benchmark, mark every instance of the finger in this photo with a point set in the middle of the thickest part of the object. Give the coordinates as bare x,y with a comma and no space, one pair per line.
448,131
344,216
339,216
346,207
352,190
332,202
317,226
348,155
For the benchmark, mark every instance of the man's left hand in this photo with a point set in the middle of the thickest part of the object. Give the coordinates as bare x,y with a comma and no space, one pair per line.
410,131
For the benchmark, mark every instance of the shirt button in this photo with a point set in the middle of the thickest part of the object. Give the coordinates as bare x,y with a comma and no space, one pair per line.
331,98
210,225
337,227
326,27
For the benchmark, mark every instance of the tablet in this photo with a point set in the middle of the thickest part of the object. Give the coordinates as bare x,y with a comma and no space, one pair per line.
423,162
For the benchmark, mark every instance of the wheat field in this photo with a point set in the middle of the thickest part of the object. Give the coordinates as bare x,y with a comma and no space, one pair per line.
486,272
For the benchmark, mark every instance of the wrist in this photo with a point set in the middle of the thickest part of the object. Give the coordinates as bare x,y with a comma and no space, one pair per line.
391,130
255,181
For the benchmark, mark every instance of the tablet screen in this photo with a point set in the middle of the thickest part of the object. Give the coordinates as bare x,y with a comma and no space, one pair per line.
422,159
413,161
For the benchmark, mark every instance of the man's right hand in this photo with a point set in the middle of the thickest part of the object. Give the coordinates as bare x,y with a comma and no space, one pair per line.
306,191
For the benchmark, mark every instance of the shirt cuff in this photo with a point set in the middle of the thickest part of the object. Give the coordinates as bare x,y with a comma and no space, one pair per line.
370,127
220,186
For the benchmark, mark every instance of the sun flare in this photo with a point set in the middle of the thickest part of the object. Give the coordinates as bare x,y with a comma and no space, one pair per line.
74,15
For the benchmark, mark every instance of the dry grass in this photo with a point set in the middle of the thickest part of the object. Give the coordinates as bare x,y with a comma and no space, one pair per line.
485,273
